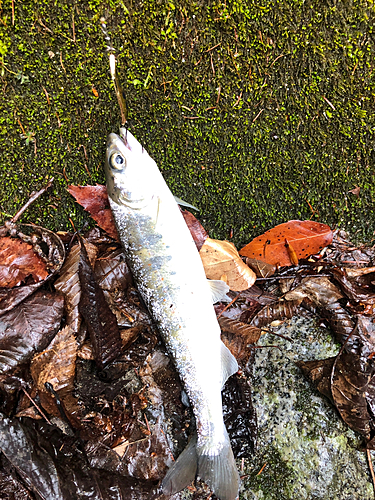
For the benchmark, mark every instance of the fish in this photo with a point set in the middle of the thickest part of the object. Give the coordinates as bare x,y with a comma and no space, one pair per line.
170,278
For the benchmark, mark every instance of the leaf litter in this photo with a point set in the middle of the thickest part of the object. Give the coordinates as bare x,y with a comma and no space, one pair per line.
83,365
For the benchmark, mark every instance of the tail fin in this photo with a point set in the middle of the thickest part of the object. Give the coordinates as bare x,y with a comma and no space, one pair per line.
183,471
219,471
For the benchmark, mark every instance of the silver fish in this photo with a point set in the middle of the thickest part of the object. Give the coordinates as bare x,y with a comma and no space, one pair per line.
171,280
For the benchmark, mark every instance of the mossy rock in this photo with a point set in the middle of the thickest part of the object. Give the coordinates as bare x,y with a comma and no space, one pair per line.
256,112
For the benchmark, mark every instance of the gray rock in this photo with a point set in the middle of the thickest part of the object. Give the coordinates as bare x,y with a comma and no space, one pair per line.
309,451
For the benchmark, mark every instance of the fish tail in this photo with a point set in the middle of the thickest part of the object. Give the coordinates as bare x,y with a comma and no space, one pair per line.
217,470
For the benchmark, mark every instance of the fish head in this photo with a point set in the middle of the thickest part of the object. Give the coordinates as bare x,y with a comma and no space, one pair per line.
130,172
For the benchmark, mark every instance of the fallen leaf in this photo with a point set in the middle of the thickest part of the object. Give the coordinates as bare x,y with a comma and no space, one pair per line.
29,328
260,268
221,257
94,199
283,309
196,229
18,261
100,320
319,289
69,285
56,366
306,238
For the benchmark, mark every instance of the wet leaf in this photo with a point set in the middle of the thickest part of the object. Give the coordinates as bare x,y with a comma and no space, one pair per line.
350,379
242,335
240,416
306,238
101,322
56,366
340,321
69,285
260,268
94,199
283,309
19,262
32,462
352,290
318,289
319,372
47,246
221,258
29,328
197,231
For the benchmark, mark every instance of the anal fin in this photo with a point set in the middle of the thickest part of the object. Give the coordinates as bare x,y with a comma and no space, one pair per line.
229,364
183,471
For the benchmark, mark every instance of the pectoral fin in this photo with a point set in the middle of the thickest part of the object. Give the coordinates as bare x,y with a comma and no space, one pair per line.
219,290
229,365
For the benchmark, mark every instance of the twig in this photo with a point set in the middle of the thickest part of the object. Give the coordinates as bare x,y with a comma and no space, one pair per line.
34,195
36,406
228,305
371,467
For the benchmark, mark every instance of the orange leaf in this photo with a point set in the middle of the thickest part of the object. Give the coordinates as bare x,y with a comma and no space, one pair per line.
19,262
306,238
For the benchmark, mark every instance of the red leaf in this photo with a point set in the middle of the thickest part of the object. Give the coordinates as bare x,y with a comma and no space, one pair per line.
94,199
18,261
306,237
197,231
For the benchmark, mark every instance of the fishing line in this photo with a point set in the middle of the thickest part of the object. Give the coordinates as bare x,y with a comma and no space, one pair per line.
112,68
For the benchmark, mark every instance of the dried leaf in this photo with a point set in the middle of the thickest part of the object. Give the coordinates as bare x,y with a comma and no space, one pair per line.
111,271
32,462
56,366
101,322
221,257
94,199
29,328
19,262
197,231
306,237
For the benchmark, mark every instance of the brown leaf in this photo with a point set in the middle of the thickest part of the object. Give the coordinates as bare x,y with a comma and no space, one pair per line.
29,328
237,336
260,268
94,199
101,322
47,246
197,231
350,379
276,311
221,258
18,261
69,285
319,289
352,290
306,238
319,372
56,365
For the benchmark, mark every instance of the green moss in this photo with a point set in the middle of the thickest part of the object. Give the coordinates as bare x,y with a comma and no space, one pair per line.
257,112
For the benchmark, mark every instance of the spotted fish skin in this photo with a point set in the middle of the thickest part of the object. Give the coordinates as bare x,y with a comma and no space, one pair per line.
170,278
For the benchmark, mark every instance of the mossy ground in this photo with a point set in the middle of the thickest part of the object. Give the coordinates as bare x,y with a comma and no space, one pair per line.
256,112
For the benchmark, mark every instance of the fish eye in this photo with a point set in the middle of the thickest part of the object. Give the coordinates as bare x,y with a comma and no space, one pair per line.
117,161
